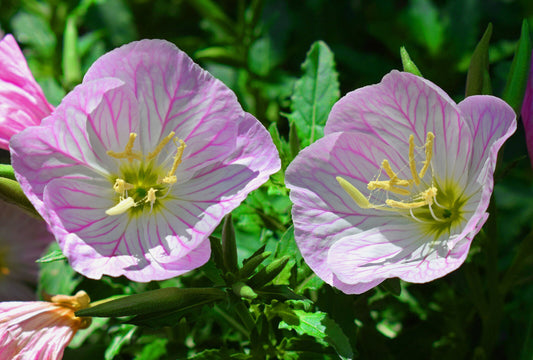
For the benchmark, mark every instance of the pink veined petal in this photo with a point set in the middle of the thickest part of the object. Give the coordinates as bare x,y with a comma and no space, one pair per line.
527,114
404,104
174,94
22,100
60,147
323,212
394,251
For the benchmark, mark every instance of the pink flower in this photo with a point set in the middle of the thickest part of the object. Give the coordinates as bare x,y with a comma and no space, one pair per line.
399,185
40,329
22,102
23,239
138,164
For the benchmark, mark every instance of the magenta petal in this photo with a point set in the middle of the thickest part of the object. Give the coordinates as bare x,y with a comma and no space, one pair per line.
22,102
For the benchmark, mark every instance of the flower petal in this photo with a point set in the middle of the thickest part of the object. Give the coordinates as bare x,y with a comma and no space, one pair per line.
323,212
394,251
174,94
60,147
404,104
22,102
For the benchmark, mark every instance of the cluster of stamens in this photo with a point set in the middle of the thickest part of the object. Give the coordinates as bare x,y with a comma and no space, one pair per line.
401,187
121,186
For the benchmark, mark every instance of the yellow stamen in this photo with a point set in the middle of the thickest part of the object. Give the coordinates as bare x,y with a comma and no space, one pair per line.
394,179
355,194
121,186
123,206
128,152
160,146
412,163
387,186
426,196
150,197
429,153
171,178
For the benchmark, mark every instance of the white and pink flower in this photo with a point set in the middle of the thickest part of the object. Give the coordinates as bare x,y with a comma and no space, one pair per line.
22,102
138,164
40,329
399,185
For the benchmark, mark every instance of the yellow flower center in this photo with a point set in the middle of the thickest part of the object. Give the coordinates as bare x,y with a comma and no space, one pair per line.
424,201
141,181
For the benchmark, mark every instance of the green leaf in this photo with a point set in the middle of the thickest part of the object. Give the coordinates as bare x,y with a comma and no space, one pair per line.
57,277
515,87
315,324
211,11
33,30
268,273
11,192
252,263
53,255
154,350
477,78
229,245
408,64
425,25
155,302
242,290
314,94
121,336
71,60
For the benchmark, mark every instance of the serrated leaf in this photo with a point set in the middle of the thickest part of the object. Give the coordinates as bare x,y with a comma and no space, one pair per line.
314,93
53,255
315,324
120,338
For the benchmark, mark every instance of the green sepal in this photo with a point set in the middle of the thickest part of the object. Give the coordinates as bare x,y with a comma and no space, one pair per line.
242,290
268,273
11,192
408,64
6,171
477,78
217,253
155,302
515,87
253,262
294,141
229,245
71,60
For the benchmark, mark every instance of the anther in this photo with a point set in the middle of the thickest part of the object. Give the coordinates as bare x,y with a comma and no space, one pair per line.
123,206
121,186
412,163
387,186
150,197
160,146
394,179
128,152
355,194
171,178
429,153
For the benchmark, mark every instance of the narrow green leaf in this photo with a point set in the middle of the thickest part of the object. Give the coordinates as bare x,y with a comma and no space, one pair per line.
268,273
515,87
408,64
71,60
154,302
252,263
11,192
217,253
314,93
477,79
229,245
224,55
210,10
294,142
53,255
